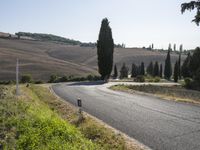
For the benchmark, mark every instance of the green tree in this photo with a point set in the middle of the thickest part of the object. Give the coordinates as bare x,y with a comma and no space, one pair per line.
134,71
156,69
142,69
124,71
115,72
176,66
174,47
168,67
170,47
185,69
191,6
27,78
161,71
150,68
105,49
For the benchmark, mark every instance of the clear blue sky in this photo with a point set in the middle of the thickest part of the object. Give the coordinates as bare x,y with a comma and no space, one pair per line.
133,22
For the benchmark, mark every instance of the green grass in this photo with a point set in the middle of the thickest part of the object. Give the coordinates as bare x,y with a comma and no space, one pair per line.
39,120
28,123
91,129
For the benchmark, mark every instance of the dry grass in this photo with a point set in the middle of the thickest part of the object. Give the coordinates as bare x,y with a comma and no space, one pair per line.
176,93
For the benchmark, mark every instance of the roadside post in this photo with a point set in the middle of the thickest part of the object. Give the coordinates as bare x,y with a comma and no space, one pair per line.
79,103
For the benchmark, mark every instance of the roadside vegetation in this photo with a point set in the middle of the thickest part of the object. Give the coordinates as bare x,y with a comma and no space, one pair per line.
177,93
38,120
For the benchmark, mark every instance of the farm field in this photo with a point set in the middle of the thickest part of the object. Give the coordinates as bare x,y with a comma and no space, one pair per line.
41,59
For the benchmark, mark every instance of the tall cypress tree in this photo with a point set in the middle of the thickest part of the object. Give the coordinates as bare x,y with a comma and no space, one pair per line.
142,69
176,66
124,71
115,72
150,68
161,71
105,48
179,61
185,69
156,69
168,67
134,71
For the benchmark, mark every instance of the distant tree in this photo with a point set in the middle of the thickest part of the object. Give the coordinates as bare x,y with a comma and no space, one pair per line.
174,47
179,65
170,47
142,69
191,6
134,71
176,66
161,71
168,67
53,78
156,69
185,69
181,48
150,69
105,48
115,72
195,63
152,46
124,71
27,78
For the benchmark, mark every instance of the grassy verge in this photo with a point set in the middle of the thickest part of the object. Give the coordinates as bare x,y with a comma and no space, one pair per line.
39,120
176,93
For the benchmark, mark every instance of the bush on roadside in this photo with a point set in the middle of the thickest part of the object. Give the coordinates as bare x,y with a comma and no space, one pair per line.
188,82
27,78
140,78
156,79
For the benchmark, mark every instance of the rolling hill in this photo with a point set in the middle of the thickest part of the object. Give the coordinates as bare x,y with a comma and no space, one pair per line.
43,58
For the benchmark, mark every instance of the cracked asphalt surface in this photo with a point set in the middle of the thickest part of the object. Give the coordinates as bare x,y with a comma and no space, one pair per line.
157,123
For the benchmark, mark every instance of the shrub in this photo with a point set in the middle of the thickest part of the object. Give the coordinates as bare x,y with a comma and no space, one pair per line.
139,78
188,82
53,78
156,79
26,78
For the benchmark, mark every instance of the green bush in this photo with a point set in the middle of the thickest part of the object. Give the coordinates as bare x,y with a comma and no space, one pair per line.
188,82
139,78
156,79
53,79
27,78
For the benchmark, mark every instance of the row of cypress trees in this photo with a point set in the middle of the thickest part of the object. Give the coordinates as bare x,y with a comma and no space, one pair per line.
153,69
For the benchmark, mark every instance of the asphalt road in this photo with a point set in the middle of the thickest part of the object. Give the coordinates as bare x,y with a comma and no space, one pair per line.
159,124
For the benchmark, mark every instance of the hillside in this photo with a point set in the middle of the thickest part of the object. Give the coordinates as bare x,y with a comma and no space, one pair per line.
42,58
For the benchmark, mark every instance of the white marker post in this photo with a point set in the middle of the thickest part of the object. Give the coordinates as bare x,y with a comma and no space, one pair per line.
17,78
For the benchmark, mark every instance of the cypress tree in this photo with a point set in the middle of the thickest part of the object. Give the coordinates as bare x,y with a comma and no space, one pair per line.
174,47
134,71
156,69
105,48
179,61
170,47
161,71
124,71
195,62
168,67
185,69
115,72
150,68
142,70
176,66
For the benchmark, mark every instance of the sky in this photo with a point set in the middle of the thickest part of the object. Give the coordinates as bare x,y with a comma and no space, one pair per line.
135,23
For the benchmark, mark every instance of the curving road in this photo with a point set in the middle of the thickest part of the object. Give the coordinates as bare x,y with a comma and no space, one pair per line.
159,124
